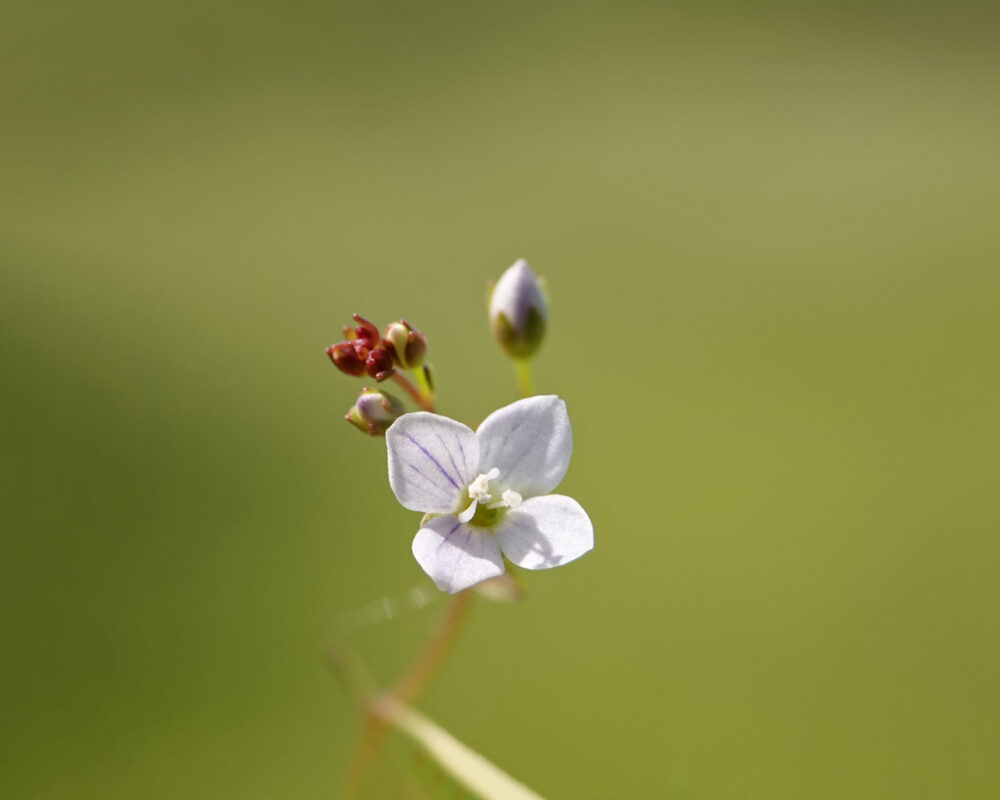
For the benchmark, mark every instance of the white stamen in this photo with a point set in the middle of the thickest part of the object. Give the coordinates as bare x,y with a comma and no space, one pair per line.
469,513
479,489
512,499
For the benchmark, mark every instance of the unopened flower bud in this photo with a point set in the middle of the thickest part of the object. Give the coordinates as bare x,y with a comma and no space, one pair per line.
374,412
366,334
378,364
518,311
345,358
405,344
361,352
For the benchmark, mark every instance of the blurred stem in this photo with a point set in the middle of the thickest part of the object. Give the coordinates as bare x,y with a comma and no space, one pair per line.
522,372
467,768
426,402
354,676
426,665
406,690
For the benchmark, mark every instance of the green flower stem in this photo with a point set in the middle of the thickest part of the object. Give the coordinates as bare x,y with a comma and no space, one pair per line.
426,402
522,372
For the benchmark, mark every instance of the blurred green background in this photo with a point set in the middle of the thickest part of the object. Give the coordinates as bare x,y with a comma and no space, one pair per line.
770,235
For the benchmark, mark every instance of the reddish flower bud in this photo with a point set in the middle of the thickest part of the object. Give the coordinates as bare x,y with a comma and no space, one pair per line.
364,351
405,344
361,351
378,364
365,334
345,358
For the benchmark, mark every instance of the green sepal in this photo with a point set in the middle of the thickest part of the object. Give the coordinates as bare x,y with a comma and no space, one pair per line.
522,343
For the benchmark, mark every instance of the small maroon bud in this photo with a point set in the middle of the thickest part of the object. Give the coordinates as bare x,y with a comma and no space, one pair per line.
354,355
405,344
378,364
366,334
345,358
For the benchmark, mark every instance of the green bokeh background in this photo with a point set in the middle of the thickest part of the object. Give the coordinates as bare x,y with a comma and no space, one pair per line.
771,239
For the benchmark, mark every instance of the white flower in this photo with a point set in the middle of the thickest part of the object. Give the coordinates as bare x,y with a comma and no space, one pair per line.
489,490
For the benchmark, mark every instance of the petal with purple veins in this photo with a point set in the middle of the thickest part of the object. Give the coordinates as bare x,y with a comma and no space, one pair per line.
530,442
432,460
455,555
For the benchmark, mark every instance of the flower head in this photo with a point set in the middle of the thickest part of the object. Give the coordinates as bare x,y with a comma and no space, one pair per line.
488,491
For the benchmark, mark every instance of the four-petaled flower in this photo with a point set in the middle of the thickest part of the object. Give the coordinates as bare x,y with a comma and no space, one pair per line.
488,491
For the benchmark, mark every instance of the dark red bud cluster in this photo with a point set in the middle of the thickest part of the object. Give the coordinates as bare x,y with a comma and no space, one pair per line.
362,351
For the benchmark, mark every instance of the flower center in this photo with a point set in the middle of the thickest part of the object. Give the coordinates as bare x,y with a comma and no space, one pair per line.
479,489
485,506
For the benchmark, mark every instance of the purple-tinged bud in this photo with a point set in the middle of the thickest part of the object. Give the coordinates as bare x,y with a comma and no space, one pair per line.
378,364
345,358
518,311
374,412
405,344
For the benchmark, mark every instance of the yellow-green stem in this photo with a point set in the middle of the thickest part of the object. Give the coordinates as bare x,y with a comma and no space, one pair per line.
522,372
424,385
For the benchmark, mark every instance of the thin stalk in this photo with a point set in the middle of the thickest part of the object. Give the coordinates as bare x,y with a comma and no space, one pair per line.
522,373
425,402
427,664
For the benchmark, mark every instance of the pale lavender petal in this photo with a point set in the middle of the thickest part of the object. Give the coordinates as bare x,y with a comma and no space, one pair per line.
545,532
432,459
530,442
455,555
